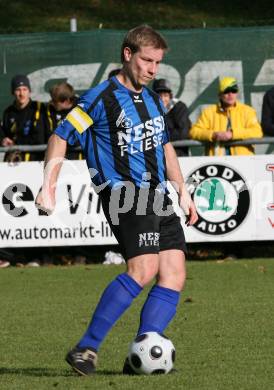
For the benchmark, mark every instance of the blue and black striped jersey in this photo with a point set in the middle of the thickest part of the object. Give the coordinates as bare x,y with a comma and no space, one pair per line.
121,132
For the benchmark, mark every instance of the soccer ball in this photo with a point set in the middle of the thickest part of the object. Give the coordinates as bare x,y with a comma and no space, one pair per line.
151,353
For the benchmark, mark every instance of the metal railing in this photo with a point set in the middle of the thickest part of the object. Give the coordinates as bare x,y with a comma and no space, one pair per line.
176,144
249,141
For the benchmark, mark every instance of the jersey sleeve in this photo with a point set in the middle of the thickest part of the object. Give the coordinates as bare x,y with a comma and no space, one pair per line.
79,119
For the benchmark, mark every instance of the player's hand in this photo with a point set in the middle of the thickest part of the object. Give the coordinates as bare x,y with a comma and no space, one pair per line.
188,206
192,217
45,201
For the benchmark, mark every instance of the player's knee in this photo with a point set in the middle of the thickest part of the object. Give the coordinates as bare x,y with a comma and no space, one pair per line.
174,279
143,278
143,275
144,268
147,277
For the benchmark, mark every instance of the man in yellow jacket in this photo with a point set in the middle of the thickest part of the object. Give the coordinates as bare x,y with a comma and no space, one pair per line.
225,121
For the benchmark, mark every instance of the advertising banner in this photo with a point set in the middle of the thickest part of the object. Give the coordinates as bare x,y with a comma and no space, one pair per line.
234,197
78,218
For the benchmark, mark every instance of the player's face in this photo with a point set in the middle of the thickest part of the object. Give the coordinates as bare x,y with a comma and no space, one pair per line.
22,96
143,65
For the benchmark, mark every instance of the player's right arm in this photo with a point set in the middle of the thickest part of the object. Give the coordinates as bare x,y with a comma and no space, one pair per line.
175,176
70,130
55,154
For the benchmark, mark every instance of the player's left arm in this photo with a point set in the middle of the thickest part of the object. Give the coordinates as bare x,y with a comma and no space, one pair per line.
175,176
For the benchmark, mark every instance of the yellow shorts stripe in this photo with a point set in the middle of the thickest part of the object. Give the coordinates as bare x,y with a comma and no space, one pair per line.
79,119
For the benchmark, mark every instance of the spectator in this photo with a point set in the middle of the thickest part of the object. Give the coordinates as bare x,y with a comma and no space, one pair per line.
63,100
177,119
268,113
227,120
23,121
2,135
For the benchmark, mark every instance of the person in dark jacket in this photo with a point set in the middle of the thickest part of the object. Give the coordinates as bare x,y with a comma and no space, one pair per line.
23,121
268,113
177,116
2,135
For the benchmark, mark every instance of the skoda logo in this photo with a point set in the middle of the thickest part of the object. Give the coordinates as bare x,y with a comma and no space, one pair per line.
221,197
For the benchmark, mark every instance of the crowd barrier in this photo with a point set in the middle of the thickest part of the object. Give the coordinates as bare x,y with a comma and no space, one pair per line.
176,144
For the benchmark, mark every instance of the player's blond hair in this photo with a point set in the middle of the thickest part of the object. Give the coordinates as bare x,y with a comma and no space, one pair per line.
143,35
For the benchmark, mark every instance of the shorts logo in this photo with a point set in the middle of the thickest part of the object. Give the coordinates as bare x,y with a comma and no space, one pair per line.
124,121
149,239
221,198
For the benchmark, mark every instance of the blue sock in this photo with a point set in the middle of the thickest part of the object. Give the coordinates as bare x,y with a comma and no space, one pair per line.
158,310
116,298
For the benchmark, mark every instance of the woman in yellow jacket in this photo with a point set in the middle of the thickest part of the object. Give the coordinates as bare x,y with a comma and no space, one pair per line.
228,120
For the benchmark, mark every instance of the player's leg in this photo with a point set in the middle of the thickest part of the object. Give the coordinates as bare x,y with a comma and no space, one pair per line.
160,306
138,236
114,301
117,297
163,298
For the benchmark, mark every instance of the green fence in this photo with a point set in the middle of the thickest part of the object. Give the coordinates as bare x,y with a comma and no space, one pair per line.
197,58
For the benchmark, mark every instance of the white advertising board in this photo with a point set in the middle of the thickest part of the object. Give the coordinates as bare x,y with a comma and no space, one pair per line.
234,197
77,220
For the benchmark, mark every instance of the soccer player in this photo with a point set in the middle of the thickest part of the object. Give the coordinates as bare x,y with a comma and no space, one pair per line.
121,127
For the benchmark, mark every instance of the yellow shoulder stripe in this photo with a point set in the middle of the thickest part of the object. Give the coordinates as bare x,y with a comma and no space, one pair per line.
79,119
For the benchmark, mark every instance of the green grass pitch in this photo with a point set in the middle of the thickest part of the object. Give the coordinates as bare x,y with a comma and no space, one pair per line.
223,331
